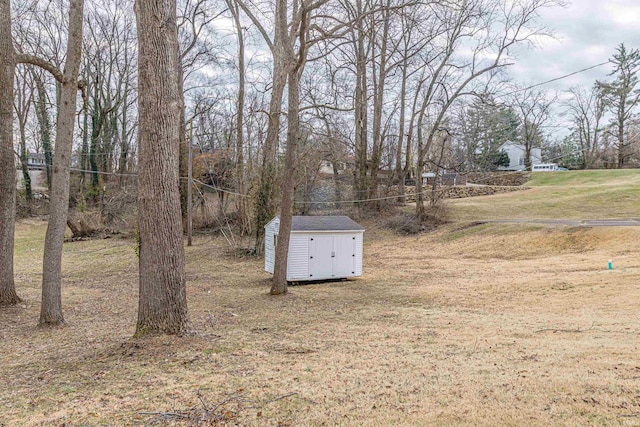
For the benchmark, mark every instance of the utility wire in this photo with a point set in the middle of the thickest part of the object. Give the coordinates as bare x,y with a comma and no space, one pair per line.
103,173
224,190
559,78
218,188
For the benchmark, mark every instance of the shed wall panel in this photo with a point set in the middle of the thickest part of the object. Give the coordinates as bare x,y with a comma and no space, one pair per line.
269,248
344,261
359,252
298,260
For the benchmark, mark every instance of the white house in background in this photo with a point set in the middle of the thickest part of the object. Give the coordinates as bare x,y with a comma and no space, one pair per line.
320,248
516,156
326,167
37,172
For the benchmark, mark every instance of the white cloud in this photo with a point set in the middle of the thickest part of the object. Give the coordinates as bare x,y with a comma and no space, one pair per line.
586,33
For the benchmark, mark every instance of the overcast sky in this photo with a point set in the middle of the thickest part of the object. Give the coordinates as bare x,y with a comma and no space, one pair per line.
587,33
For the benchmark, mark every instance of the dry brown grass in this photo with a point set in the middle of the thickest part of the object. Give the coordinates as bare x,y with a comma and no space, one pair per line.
591,194
482,325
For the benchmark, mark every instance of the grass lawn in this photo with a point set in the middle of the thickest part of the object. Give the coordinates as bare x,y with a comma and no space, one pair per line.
597,194
496,324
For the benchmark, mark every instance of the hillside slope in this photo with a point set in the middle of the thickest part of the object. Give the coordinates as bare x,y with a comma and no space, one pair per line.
562,195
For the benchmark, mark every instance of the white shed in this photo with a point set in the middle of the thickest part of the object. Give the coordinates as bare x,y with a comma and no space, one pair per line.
320,248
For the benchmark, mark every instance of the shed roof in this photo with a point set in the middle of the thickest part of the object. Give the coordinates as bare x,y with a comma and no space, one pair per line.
325,223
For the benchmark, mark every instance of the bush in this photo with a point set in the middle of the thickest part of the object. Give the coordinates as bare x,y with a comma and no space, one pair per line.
436,214
407,223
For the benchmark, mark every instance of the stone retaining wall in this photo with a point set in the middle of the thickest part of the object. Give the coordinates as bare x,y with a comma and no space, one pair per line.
499,178
460,192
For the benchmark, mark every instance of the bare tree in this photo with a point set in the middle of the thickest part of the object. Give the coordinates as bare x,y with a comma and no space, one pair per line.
265,205
239,160
286,55
533,107
193,20
8,295
587,109
488,30
162,301
51,307
293,53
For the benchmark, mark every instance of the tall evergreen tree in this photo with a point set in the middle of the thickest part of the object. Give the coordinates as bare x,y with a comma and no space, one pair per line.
622,96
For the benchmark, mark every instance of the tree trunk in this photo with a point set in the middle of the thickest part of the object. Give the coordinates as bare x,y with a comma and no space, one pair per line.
84,151
420,212
378,106
400,175
45,126
162,301
51,307
97,121
24,162
8,294
265,204
360,110
295,66
279,285
245,222
124,141
183,154
622,149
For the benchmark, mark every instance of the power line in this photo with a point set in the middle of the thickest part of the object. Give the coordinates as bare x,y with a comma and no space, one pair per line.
102,173
224,190
219,189
559,78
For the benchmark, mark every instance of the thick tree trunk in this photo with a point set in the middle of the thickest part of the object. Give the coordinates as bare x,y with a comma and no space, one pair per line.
162,302
279,285
265,203
51,307
8,294
295,66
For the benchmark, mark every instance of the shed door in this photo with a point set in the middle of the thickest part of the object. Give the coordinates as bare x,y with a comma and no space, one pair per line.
345,250
321,257
331,256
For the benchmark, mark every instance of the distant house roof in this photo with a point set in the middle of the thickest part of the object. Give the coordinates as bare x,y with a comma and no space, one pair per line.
324,223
